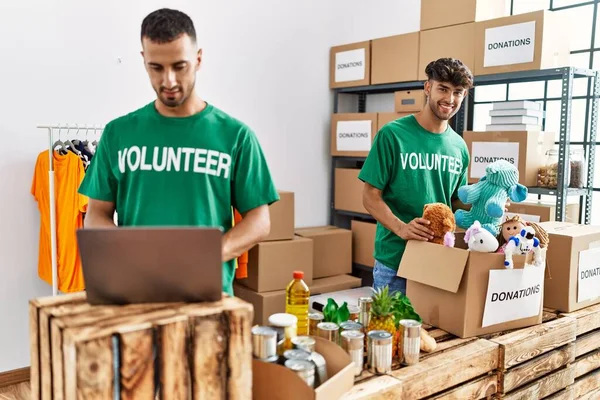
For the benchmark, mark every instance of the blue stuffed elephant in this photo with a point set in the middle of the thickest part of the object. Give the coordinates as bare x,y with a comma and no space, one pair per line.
488,196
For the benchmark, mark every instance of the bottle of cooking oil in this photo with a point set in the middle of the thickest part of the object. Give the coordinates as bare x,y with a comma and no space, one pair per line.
296,301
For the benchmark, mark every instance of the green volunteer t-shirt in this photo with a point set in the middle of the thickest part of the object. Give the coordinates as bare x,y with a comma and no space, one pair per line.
412,167
189,171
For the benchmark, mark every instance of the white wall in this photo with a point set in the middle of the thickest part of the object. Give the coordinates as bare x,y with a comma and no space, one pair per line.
59,64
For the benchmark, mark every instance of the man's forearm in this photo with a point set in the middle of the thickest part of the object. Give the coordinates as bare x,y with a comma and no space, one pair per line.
253,228
98,221
382,213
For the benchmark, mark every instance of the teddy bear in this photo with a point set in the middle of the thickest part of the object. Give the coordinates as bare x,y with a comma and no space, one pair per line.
442,223
488,196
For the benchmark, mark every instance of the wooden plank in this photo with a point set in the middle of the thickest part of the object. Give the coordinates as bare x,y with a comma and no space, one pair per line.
586,384
89,370
34,352
565,394
586,364
484,388
526,344
383,387
239,349
447,346
587,343
542,388
136,368
209,368
15,376
172,341
536,368
593,395
588,319
449,369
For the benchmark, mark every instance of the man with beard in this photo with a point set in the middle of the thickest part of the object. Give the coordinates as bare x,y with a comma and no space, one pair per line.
180,161
415,160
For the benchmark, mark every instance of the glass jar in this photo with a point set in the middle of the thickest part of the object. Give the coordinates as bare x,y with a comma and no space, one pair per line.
548,172
577,174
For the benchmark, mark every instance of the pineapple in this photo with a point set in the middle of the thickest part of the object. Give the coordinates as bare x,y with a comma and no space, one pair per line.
382,315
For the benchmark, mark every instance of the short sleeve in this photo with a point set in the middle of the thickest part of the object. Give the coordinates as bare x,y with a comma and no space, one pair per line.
252,184
378,167
35,182
99,181
462,181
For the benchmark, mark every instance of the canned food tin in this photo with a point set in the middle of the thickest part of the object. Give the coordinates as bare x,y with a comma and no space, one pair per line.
304,343
304,369
329,331
354,313
353,344
411,341
351,326
297,354
314,319
379,354
321,368
264,342
364,303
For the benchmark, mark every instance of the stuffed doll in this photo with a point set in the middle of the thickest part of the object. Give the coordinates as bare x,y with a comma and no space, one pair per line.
509,228
488,196
521,244
442,223
480,239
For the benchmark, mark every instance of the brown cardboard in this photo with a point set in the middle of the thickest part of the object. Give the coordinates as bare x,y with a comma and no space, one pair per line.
363,242
348,190
543,212
269,303
282,217
440,13
337,127
332,250
360,63
548,40
567,240
274,381
385,117
448,286
395,58
271,264
407,101
531,150
456,41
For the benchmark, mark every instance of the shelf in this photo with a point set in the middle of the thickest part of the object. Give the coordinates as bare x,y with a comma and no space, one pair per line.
383,88
554,192
355,214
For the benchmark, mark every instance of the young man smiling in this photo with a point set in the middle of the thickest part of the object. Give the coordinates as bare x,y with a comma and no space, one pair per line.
180,161
415,160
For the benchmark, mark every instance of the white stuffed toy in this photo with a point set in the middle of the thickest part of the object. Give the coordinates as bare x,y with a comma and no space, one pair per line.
480,239
522,244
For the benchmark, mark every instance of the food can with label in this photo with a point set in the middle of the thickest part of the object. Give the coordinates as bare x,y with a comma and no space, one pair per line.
264,342
329,331
411,341
379,352
304,343
321,368
353,344
314,319
304,369
364,304
296,354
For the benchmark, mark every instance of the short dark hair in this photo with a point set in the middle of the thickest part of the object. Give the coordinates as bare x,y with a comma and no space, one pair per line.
166,25
450,70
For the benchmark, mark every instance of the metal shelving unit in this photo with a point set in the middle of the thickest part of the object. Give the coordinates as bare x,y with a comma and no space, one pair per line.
464,119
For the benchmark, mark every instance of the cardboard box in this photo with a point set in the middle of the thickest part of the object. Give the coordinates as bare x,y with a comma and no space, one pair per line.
573,279
350,65
271,264
456,41
269,303
348,190
332,250
275,381
409,101
363,242
395,58
282,217
523,42
525,149
352,134
440,13
471,293
385,117
542,212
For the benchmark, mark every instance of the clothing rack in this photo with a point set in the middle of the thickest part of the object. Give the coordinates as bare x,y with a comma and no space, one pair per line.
50,130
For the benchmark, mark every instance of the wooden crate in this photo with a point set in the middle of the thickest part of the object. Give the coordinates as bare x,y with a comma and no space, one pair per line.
457,369
195,350
587,353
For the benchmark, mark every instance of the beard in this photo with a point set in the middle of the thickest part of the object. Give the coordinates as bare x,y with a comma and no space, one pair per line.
180,97
435,109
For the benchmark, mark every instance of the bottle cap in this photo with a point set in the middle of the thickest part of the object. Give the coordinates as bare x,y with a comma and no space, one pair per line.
298,274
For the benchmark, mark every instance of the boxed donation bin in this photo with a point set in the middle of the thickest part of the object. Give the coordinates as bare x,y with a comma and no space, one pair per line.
440,13
470,293
352,134
457,41
573,278
395,58
350,65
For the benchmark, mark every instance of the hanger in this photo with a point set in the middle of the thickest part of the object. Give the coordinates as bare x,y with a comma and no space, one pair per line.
76,141
69,144
59,143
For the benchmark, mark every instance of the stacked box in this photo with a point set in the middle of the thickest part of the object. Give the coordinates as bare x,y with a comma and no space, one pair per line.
522,115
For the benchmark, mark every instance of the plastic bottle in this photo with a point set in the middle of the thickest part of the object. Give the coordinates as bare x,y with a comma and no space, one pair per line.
296,301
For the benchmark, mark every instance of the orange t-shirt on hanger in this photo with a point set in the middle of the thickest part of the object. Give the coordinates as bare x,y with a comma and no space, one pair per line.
70,206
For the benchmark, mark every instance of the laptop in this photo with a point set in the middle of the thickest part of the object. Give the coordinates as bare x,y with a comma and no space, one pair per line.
129,265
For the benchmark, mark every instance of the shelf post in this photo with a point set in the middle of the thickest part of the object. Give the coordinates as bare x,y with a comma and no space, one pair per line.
564,142
591,153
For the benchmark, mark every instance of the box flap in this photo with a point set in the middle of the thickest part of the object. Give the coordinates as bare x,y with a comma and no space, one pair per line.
433,265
